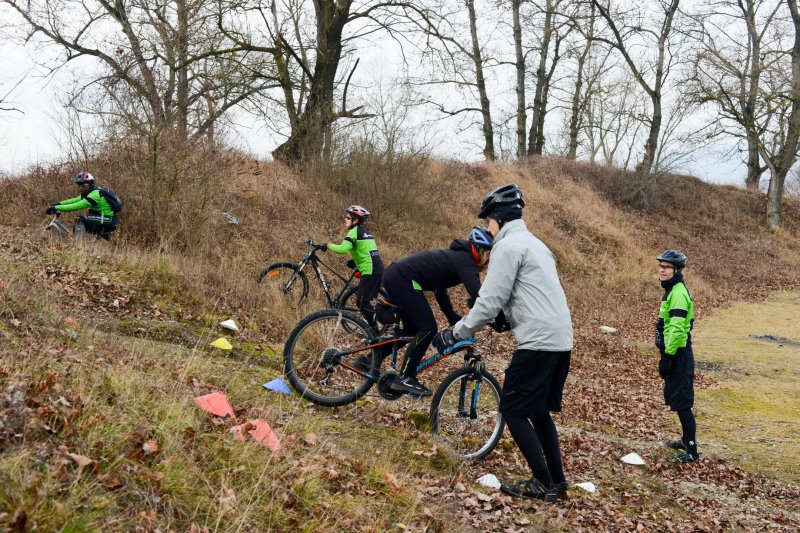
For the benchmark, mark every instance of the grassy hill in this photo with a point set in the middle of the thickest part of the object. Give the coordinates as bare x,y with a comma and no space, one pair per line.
105,345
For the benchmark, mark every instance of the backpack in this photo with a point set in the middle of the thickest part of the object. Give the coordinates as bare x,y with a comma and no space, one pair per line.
113,200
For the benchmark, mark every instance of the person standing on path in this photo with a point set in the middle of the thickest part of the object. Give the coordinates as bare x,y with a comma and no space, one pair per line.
522,282
673,338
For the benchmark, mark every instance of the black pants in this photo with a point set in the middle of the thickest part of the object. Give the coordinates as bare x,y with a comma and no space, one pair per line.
679,384
368,289
532,389
98,225
416,315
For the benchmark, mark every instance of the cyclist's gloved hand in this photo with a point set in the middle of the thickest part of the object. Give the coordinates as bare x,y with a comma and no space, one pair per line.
50,210
351,264
665,365
444,340
323,247
500,323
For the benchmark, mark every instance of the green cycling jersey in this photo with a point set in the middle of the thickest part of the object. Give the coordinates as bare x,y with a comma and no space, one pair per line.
360,244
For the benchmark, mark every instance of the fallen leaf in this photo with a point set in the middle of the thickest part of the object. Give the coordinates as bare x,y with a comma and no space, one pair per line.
392,481
82,460
150,447
68,320
310,438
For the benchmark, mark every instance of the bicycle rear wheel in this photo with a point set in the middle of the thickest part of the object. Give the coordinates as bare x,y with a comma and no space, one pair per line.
465,413
316,353
286,279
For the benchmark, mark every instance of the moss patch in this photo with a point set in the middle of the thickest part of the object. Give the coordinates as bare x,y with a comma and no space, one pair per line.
752,411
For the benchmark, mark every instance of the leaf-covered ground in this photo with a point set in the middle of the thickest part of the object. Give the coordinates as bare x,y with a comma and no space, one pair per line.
101,359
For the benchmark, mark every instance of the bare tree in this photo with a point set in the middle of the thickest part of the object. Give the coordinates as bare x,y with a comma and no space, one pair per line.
782,161
459,61
737,42
555,28
630,27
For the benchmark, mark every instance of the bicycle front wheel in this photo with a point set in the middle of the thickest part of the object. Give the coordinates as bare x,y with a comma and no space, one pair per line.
320,354
285,279
465,413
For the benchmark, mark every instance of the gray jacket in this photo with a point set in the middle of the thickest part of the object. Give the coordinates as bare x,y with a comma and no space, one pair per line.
523,282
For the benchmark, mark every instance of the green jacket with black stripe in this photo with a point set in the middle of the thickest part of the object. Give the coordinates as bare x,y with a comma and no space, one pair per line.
93,201
675,319
361,245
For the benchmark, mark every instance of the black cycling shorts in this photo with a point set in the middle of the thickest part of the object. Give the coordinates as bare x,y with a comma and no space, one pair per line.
679,384
534,383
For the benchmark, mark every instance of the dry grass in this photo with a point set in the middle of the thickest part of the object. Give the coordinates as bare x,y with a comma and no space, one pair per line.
130,372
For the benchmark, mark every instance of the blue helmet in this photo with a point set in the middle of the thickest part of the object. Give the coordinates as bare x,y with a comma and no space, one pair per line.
673,256
481,238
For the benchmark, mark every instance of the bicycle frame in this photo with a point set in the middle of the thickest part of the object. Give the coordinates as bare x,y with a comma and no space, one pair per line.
468,344
315,261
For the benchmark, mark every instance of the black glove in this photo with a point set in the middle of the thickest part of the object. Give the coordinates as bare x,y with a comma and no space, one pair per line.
323,247
50,210
351,264
659,339
665,365
500,324
453,319
444,340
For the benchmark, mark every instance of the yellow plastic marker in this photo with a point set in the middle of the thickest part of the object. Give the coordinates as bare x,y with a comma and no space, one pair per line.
222,343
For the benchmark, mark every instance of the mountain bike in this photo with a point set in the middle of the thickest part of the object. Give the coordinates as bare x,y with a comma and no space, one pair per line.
57,228
60,230
291,279
321,363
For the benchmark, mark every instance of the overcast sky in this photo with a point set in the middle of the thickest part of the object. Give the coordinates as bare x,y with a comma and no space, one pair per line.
33,134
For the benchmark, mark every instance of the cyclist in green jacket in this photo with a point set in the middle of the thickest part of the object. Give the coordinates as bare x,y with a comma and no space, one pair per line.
360,244
101,220
673,338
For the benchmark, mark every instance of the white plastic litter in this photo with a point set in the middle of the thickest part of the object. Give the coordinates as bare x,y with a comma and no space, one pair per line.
489,480
609,330
633,459
587,486
229,324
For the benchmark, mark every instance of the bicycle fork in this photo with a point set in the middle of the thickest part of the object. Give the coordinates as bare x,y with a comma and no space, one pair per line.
476,388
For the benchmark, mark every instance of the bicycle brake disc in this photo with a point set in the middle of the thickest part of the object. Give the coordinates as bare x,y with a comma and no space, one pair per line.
384,389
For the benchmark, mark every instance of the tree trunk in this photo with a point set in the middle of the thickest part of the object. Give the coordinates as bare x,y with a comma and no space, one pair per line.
480,81
754,170
182,94
577,106
788,153
520,65
539,98
307,139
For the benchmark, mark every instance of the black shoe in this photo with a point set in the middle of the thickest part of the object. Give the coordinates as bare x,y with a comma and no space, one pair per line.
687,457
532,489
676,444
561,488
363,363
410,385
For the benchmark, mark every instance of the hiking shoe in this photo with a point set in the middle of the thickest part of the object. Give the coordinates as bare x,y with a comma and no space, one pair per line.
687,457
411,385
532,489
676,444
363,363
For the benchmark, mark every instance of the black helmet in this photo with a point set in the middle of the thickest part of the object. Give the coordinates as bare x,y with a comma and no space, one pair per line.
83,177
506,195
481,238
673,256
